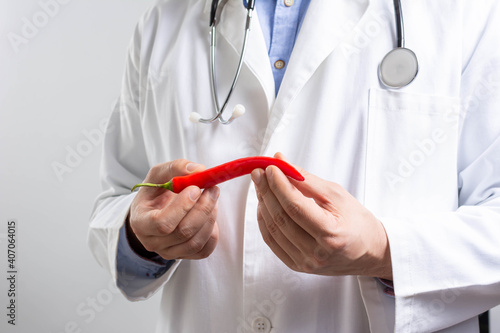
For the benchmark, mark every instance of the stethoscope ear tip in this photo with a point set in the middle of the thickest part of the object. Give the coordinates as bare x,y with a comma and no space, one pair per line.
194,117
238,111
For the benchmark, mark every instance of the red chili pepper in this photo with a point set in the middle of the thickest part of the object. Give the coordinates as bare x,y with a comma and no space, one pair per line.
224,172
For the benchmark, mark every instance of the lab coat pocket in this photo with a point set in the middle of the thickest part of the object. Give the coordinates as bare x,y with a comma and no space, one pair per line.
411,161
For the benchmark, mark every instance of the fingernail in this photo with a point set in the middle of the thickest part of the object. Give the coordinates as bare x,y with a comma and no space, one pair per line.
191,167
214,193
194,194
269,171
257,176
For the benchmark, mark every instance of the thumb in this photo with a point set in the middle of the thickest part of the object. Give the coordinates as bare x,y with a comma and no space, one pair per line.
164,172
312,187
282,157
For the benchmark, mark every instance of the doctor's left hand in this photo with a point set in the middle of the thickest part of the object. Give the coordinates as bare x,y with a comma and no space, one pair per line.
333,234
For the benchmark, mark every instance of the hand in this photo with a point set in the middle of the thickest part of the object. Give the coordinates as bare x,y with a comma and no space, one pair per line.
174,226
333,234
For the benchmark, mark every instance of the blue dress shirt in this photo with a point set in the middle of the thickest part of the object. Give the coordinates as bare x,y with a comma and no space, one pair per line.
280,21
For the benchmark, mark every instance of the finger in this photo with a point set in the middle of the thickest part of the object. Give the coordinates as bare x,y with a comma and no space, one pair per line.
270,241
198,221
188,248
322,191
315,187
303,172
284,231
198,246
193,232
305,212
163,172
163,221
209,245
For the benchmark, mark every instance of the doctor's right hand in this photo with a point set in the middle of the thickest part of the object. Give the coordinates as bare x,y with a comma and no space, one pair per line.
174,226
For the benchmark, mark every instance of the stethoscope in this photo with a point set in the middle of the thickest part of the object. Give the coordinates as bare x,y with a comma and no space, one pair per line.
396,70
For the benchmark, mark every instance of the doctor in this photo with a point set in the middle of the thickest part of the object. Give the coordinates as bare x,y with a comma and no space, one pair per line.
397,225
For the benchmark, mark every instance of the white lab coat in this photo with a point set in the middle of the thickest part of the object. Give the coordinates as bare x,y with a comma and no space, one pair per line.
424,159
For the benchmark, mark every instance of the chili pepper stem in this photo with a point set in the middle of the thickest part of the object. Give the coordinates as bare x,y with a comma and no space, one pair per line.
167,185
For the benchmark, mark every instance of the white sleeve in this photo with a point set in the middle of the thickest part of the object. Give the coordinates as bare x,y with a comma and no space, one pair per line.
447,265
124,163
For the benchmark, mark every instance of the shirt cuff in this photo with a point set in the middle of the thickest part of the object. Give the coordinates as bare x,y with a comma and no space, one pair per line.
130,263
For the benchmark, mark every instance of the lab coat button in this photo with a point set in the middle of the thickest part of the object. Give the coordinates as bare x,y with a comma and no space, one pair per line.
288,3
261,325
279,64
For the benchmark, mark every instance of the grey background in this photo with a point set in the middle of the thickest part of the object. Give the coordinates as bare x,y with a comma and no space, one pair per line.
56,89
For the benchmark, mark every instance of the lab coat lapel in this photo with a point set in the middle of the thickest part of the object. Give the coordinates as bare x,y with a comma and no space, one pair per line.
326,24
231,27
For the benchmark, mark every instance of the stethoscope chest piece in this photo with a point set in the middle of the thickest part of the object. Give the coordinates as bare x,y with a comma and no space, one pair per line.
398,68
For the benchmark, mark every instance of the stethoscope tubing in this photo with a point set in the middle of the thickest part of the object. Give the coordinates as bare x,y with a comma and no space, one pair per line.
213,80
400,26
